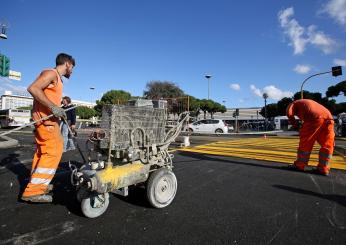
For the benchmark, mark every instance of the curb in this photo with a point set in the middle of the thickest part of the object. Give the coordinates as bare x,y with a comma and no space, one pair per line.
9,142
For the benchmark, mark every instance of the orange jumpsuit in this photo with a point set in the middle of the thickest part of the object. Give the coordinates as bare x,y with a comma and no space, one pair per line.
48,140
318,124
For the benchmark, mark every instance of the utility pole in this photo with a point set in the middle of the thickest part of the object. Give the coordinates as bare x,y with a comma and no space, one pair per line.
208,77
265,97
336,71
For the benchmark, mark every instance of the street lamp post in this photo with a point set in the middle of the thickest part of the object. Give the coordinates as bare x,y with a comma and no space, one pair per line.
336,71
208,77
265,97
92,89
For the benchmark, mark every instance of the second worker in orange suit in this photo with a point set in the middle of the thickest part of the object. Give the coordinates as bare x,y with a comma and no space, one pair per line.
318,125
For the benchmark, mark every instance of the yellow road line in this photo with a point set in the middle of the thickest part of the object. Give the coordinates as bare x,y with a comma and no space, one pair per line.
278,149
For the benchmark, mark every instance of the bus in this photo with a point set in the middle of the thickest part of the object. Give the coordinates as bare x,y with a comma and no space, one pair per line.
14,117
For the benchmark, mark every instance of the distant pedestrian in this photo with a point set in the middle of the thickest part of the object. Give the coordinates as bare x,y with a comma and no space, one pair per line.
47,93
71,122
318,125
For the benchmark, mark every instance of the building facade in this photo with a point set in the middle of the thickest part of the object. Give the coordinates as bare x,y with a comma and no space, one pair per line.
9,100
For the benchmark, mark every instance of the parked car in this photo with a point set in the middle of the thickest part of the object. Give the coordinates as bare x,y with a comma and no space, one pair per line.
229,125
208,126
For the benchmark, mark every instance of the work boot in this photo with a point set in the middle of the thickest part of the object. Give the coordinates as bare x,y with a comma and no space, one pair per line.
38,198
295,167
319,172
49,189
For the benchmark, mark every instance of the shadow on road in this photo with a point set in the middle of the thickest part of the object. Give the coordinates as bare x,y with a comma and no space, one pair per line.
331,197
12,163
64,193
137,196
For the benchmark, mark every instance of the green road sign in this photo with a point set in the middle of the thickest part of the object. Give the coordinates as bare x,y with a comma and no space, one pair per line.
4,66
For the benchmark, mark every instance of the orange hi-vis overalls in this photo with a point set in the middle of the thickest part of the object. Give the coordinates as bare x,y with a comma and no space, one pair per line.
48,140
318,125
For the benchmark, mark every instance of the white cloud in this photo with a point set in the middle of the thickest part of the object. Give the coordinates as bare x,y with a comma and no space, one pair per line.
235,86
321,40
336,9
299,36
302,69
273,92
340,62
255,90
293,30
7,84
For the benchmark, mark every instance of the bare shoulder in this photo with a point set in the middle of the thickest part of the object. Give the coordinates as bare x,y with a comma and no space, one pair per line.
48,74
46,78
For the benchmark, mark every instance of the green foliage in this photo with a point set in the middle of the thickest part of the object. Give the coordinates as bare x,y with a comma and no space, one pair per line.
85,112
339,108
308,95
272,110
112,97
162,89
334,91
282,105
211,106
25,108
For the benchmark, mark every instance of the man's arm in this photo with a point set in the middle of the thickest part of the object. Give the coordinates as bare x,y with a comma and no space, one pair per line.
37,87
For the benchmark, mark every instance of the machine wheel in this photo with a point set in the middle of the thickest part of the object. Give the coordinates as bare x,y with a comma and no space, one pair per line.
95,205
219,131
161,188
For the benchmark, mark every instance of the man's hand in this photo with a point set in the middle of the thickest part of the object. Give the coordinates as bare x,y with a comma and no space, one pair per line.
58,111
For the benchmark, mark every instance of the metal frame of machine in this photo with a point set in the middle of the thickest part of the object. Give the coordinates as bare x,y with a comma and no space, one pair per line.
130,148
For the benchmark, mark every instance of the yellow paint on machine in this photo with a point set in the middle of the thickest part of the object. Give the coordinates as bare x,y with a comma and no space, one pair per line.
115,174
275,149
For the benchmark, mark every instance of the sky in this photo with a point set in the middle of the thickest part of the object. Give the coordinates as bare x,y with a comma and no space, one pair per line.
248,47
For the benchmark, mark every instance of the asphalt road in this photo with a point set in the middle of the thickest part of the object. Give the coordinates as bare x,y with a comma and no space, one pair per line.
220,200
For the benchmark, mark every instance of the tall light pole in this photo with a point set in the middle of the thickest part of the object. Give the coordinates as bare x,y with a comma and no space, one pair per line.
208,77
336,71
92,89
265,97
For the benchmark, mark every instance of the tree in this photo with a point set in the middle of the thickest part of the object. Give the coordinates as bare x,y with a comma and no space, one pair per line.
334,91
309,95
162,89
282,105
112,97
85,112
216,107
339,108
194,106
205,106
272,110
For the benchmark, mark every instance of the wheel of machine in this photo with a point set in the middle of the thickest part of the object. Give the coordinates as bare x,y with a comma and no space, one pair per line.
95,205
161,188
219,131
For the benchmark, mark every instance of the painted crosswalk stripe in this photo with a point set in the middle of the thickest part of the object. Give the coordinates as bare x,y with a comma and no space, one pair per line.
276,149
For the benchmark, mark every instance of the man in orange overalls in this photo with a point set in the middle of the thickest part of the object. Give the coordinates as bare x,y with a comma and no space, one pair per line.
47,93
318,125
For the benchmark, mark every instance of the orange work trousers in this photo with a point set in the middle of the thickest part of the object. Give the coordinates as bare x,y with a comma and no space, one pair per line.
322,131
46,159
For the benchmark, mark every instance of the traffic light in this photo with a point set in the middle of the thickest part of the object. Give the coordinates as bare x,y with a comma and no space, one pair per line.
237,112
4,66
336,71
